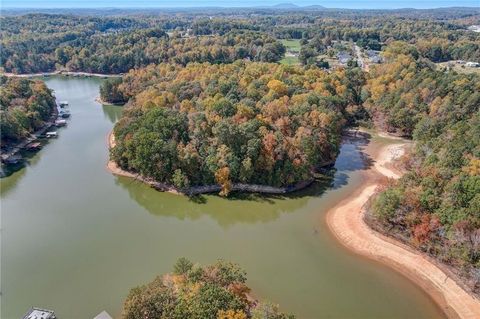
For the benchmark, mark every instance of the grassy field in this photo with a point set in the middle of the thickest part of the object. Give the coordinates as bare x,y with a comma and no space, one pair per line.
293,46
460,68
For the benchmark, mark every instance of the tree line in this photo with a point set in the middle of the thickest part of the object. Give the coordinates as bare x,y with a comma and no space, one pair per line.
40,43
436,205
115,44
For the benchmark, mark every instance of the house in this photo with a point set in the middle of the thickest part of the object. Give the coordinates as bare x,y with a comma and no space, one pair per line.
344,57
374,56
472,64
474,28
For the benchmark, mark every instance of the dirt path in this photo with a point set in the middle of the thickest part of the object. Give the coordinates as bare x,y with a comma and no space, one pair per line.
346,222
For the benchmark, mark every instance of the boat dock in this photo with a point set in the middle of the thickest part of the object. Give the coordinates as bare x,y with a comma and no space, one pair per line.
38,313
103,315
10,155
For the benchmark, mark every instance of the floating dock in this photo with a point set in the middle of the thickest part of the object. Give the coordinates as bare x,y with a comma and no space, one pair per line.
103,315
38,313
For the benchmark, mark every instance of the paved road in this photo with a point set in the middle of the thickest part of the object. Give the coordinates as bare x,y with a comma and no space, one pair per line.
361,61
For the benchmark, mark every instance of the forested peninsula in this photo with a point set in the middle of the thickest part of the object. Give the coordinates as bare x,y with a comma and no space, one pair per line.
252,123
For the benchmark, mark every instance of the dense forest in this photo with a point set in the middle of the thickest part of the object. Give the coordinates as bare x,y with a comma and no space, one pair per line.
246,122
24,107
436,205
217,291
117,43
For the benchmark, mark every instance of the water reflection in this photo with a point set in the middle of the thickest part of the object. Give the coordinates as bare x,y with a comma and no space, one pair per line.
352,157
14,173
248,208
112,112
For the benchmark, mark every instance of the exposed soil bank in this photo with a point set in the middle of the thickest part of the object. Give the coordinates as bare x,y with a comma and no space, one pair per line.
346,221
196,190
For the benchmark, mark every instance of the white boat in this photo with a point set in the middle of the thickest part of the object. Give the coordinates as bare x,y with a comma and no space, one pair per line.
59,123
51,134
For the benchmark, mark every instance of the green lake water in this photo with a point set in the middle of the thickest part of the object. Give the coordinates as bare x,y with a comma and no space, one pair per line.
75,238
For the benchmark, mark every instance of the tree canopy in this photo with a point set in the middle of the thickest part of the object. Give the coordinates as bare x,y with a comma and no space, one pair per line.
24,107
217,291
244,122
436,205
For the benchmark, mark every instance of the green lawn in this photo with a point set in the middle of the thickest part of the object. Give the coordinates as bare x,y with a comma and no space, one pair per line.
460,68
292,45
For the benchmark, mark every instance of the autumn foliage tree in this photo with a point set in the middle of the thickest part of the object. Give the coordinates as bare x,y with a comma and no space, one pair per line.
244,122
25,105
436,205
216,291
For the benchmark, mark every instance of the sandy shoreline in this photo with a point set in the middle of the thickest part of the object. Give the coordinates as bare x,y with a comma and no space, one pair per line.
346,221
98,99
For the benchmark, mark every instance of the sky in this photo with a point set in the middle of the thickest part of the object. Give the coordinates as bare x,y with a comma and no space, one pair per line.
360,4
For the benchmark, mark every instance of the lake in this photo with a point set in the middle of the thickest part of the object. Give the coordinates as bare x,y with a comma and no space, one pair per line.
75,238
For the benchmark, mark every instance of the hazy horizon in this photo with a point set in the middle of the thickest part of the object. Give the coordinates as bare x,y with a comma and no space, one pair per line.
368,4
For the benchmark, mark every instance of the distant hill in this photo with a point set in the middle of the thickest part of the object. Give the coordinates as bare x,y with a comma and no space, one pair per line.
293,6
285,6
315,7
